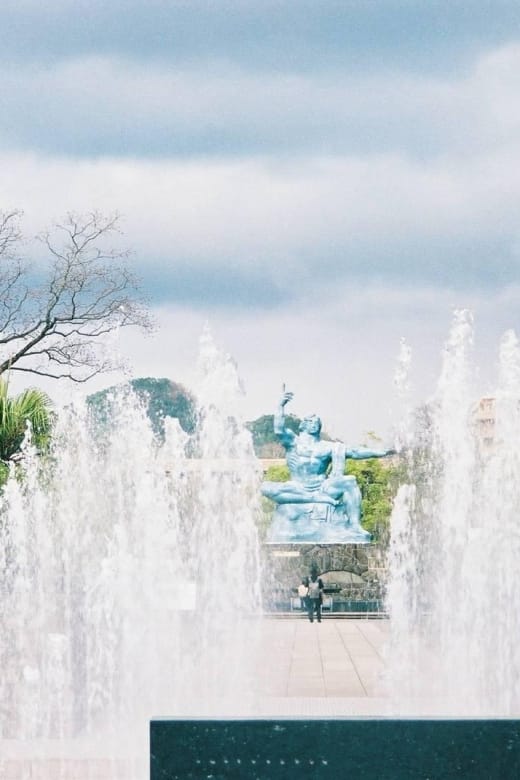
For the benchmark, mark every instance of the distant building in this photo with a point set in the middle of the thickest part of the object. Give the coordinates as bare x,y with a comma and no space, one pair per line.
485,420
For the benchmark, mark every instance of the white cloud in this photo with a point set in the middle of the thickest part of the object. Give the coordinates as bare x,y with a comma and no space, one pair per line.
378,216
388,213
115,105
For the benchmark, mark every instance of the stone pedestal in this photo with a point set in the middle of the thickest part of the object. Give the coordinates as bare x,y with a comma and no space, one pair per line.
315,524
356,570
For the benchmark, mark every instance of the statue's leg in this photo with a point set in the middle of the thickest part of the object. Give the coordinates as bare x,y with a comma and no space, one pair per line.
337,486
294,493
352,500
281,492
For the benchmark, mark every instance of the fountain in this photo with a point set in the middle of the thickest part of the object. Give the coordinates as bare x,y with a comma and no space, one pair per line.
454,591
128,571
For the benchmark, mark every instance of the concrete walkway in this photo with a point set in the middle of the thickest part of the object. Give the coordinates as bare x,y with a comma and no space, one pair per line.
334,658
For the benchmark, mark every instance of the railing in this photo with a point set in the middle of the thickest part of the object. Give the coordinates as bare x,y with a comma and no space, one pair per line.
325,604
340,608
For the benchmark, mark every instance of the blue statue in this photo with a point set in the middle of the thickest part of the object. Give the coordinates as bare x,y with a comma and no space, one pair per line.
319,504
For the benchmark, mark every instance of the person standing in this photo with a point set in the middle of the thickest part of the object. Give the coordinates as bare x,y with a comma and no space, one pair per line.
315,597
303,591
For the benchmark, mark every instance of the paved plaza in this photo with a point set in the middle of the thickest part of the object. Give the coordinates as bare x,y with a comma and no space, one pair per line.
334,658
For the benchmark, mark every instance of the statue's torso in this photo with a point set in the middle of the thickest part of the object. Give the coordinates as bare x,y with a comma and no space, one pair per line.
308,461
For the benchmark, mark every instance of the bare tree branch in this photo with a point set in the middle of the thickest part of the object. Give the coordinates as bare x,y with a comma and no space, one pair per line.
10,233
87,293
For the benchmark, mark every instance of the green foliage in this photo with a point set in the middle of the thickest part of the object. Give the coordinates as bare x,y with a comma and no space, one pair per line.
4,473
277,473
166,399
265,443
273,474
33,407
265,517
161,397
378,481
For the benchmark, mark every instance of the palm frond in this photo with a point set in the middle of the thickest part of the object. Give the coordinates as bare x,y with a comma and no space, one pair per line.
31,406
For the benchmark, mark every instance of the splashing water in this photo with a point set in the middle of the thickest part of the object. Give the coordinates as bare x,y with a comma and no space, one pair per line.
453,592
129,572
403,390
402,372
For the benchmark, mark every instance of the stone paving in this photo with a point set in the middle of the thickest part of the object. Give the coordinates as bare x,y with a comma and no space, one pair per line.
334,658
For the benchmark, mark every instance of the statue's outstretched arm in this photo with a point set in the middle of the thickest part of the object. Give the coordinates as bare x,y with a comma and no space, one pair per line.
285,435
363,453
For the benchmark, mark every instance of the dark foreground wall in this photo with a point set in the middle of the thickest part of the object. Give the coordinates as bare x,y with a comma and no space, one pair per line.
361,749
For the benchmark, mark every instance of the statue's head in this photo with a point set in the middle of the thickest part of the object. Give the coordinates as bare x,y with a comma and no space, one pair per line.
311,424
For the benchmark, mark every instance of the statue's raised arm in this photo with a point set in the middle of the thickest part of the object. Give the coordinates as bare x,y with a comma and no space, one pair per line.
285,435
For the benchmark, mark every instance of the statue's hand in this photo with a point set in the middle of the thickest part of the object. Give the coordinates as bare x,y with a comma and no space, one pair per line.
286,397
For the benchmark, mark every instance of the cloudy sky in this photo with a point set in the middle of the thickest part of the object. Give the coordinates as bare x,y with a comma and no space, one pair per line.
316,180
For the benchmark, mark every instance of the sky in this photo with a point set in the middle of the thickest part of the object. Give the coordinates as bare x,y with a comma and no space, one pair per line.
315,180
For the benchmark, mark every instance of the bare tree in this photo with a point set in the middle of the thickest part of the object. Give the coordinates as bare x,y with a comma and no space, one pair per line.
53,318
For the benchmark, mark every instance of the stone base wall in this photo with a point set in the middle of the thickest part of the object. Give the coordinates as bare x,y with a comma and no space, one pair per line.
285,565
